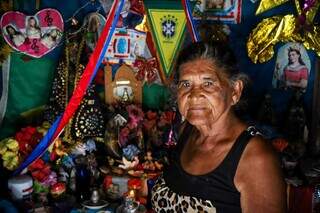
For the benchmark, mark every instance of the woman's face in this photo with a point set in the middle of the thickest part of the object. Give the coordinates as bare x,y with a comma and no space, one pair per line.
10,31
293,56
32,22
202,97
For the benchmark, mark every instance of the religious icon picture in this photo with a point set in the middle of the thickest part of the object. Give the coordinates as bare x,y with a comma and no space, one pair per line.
292,68
34,35
94,23
226,11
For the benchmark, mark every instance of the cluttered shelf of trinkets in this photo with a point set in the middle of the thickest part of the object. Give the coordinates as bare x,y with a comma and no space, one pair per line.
94,173
88,116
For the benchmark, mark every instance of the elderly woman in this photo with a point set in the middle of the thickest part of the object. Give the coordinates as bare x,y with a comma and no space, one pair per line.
220,164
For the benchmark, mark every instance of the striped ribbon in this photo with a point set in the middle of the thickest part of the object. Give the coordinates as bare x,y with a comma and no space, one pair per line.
80,90
190,21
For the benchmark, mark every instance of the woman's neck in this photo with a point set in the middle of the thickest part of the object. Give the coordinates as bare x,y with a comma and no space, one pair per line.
295,64
219,128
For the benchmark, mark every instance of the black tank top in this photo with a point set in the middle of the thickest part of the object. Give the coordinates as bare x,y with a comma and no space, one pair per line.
216,186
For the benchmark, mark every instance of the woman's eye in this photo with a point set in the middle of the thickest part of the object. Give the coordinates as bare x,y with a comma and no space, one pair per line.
184,84
208,83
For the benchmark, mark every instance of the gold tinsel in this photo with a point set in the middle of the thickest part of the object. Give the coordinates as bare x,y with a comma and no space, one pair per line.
268,4
286,28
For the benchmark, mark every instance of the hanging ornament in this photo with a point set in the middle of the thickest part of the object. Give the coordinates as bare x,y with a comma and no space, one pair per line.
34,35
146,70
126,46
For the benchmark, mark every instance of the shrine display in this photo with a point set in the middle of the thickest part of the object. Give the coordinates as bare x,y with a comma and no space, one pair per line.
108,123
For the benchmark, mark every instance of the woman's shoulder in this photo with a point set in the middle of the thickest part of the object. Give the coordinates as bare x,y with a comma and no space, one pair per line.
259,160
258,150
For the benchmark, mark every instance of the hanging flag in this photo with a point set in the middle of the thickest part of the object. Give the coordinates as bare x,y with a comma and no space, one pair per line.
190,22
166,21
79,92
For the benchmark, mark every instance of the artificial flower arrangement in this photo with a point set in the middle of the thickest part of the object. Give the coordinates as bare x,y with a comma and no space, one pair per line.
154,126
13,150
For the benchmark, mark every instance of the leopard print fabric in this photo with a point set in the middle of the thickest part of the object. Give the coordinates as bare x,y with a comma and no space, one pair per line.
165,200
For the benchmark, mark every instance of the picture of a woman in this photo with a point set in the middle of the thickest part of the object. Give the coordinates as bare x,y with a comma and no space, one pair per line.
296,72
95,24
51,39
15,36
292,67
33,30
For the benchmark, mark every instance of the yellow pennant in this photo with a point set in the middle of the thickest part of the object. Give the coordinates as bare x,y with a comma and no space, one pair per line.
167,27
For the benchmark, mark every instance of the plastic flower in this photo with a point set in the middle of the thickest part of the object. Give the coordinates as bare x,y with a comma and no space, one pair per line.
136,116
90,145
40,171
10,160
9,150
8,144
123,137
28,138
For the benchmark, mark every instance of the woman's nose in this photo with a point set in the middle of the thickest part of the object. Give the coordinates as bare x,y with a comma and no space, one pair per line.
195,93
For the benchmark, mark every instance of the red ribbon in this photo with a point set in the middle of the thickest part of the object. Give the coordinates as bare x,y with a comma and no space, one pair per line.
147,69
86,76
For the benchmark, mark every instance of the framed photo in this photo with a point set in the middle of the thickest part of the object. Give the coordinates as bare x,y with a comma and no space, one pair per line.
292,68
226,11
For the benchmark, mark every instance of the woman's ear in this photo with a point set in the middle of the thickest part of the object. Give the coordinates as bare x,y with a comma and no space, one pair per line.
237,87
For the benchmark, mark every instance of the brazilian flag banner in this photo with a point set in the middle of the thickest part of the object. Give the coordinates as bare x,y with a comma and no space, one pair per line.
167,23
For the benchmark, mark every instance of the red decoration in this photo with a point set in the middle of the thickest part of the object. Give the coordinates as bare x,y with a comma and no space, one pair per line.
134,183
39,170
279,144
28,138
147,69
57,189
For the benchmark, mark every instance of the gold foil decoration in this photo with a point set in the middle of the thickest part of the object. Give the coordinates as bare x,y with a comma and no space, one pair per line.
287,28
312,12
143,25
312,40
268,4
270,31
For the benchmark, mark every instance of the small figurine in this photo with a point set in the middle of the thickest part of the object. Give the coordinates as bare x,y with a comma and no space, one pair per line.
148,164
129,164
